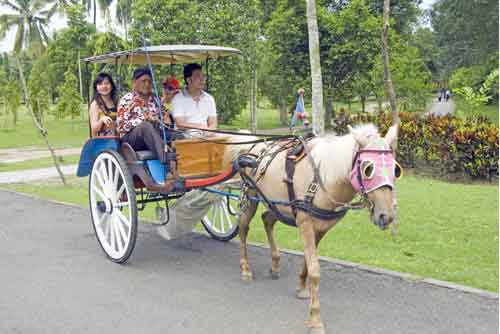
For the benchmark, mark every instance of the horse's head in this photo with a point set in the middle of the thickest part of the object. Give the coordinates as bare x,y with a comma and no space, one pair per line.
375,170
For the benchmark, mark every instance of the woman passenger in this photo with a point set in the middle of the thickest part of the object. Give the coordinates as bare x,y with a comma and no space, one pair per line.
103,107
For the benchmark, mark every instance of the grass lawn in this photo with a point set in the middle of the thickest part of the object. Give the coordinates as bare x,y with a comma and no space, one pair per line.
38,163
490,111
447,232
62,133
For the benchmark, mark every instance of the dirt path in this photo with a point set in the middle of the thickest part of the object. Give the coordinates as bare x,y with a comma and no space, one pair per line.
13,155
28,175
441,108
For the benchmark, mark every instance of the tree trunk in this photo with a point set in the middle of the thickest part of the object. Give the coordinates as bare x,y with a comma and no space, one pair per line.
387,69
392,98
283,113
328,113
253,98
363,103
81,84
318,110
42,131
95,12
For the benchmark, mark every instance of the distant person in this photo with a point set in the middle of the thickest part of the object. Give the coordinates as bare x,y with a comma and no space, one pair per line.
299,113
447,95
103,107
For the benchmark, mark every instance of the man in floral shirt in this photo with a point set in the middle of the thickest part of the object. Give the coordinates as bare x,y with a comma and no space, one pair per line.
138,116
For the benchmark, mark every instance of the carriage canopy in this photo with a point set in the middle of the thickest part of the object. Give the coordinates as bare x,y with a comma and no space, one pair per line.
164,54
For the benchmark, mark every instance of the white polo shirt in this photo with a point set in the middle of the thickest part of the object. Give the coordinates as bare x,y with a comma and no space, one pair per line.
183,105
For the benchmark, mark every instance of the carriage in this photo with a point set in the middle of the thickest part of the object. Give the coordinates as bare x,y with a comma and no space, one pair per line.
122,181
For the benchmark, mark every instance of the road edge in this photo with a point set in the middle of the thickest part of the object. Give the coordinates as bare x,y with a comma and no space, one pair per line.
342,263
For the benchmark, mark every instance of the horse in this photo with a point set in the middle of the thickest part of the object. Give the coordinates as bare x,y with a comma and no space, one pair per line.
360,162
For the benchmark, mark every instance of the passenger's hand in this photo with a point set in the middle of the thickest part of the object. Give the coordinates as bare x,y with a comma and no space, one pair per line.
107,121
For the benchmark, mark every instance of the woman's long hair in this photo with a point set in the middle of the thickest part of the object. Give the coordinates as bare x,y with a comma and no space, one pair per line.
97,97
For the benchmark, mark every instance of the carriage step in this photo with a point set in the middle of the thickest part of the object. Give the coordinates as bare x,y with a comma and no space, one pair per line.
145,155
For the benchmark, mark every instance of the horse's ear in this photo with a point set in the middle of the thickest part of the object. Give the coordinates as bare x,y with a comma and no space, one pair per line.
391,138
359,137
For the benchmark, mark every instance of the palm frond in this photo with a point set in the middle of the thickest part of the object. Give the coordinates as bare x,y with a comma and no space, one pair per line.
8,21
11,5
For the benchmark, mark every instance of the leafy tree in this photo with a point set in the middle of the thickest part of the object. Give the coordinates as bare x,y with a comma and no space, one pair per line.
351,46
466,32
69,102
477,98
285,55
13,99
38,89
224,22
30,22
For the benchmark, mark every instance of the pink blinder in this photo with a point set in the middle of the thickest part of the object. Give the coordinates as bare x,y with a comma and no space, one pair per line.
374,168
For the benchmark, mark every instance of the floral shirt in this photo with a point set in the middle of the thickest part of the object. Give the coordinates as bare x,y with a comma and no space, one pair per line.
133,110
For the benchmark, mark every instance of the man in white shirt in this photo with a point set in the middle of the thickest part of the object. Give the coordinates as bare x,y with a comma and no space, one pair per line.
194,107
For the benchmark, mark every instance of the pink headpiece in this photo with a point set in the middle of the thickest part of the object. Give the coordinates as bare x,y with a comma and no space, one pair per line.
374,167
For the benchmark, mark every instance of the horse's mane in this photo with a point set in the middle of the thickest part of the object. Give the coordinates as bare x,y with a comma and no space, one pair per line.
335,153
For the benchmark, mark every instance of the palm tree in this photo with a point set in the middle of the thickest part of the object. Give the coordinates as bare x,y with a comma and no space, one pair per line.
318,110
93,4
30,19
124,14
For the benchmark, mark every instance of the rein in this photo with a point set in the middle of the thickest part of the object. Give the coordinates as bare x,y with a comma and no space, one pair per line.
305,205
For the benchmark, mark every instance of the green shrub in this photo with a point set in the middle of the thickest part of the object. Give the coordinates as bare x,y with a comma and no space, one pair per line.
455,145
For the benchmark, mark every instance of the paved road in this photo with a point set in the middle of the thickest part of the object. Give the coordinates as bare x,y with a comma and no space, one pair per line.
442,108
55,279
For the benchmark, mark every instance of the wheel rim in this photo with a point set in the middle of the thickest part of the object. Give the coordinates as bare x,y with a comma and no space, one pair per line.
112,215
221,219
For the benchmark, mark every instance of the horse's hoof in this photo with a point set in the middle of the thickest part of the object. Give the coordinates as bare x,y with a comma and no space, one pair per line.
317,329
274,274
246,276
303,294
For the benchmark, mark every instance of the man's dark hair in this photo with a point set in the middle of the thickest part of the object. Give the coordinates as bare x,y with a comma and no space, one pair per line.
189,69
140,72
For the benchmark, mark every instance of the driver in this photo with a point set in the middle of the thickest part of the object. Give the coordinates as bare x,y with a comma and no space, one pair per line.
138,117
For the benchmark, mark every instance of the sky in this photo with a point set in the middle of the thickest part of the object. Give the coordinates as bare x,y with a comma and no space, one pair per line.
58,23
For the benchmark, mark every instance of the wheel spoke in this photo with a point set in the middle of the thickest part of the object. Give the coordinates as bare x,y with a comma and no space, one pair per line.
99,192
104,173
115,178
110,172
121,230
228,217
120,191
123,218
106,228
119,205
112,234
100,180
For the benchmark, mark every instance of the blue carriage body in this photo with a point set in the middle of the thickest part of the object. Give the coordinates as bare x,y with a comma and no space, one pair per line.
94,146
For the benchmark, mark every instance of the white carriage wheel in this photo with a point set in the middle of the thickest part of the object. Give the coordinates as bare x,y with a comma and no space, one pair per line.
221,220
113,206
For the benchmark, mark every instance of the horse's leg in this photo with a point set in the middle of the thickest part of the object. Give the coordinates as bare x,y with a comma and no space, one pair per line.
302,291
269,220
246,215
313,273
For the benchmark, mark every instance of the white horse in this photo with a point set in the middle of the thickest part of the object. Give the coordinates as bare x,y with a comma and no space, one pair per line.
361,161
